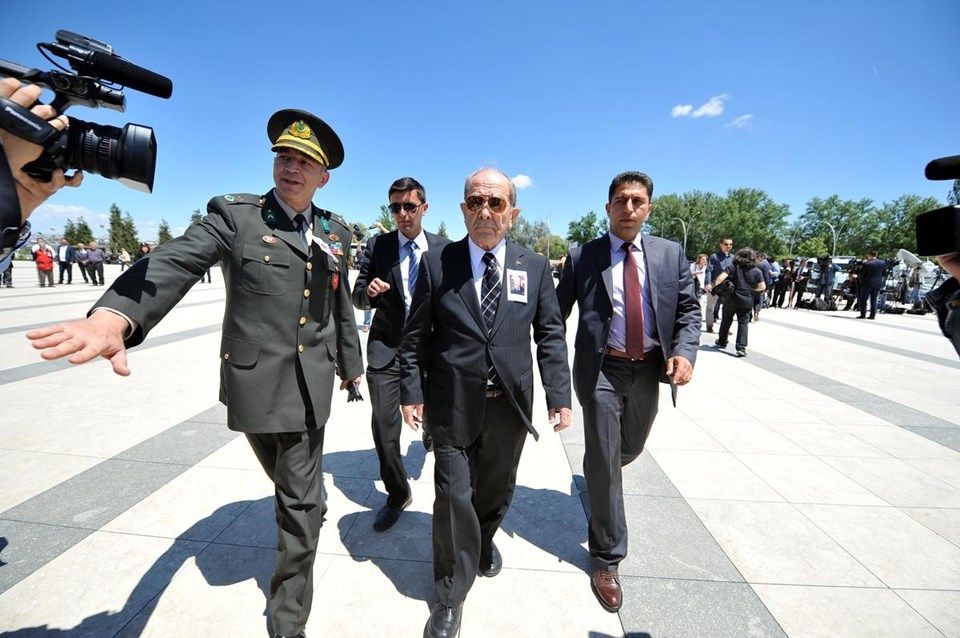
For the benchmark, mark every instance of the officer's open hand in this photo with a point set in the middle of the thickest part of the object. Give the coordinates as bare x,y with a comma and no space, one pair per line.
413,415
559,418
377,287
99,335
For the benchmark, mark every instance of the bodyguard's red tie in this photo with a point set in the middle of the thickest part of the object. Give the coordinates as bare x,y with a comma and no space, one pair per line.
632,303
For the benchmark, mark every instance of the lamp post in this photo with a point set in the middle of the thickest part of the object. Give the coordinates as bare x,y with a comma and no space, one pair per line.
684,224
835,234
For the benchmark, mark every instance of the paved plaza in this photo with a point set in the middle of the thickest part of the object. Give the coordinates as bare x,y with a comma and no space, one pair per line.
810,489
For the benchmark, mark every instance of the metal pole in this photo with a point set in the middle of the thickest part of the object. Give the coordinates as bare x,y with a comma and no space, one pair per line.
684,224
834,230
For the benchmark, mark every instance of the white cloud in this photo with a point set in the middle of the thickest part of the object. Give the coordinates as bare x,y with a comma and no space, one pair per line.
744,121
55,216
522,181
712,108
681,110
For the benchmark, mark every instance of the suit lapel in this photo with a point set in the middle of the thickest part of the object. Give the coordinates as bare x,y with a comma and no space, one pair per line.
281,226
468,294
653,262
604,267
515,258
393,258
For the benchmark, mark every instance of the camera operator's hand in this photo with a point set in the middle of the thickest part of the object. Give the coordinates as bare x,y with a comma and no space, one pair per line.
20,152
99,335
951,263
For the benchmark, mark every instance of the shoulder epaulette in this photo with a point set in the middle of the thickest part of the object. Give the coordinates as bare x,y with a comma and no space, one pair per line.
244,198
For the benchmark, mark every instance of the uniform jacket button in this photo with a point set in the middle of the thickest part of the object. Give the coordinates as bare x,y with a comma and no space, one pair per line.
266,259
306,293
300,348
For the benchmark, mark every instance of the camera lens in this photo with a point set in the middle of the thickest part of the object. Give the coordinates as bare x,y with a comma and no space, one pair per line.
128,155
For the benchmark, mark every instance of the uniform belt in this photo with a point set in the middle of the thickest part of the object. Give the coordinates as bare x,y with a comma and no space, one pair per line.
493,393
620,354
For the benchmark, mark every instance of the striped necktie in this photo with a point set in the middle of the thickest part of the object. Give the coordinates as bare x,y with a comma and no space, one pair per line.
489,300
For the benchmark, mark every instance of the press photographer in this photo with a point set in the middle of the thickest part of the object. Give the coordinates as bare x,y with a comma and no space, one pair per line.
938,233
39,146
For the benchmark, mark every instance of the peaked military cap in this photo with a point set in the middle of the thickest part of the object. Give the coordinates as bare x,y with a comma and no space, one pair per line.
307,133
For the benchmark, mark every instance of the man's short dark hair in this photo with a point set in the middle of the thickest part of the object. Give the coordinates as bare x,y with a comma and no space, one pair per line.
407,184
631,177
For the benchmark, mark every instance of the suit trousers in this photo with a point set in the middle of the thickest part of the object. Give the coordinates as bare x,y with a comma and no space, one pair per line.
616,423
871,293
474,486
387,423
294,462
712,301
66,267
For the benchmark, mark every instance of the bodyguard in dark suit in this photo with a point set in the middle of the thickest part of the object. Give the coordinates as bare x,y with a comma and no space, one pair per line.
871,283
65,259
389,269
288,329
639,325
477,394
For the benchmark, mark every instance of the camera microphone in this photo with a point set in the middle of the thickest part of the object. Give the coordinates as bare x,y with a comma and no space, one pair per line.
118,70
943,168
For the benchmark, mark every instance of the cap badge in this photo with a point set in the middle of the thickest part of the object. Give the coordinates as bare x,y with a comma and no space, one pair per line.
300,129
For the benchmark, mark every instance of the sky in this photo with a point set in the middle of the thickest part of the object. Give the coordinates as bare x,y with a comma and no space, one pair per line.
801,100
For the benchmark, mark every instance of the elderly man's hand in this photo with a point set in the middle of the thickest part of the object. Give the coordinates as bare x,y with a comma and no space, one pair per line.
20,152
413,415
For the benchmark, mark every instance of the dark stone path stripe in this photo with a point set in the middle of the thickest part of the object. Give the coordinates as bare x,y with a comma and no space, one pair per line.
30,370
946,433
43,527
33,326
929,358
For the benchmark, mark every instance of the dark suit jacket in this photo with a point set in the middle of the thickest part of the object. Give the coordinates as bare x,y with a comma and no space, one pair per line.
587,281
284,311
69,255
871,273
445,317
381,259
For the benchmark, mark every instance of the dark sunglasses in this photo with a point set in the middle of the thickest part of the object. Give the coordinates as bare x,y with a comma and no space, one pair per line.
407,207
497,205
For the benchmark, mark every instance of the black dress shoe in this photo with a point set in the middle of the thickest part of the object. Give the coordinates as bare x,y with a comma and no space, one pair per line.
444,622
490,561
388,515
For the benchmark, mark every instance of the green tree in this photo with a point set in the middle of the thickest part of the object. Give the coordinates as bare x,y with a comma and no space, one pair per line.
953,197
442,229
552,247
196,217
123,232
386,218
897,223
853,222
526,233
77,232
163,232
585,229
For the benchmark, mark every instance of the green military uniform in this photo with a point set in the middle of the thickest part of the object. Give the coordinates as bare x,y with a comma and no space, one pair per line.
288,330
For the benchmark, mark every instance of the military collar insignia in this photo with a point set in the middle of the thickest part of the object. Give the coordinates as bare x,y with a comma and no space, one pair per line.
269,216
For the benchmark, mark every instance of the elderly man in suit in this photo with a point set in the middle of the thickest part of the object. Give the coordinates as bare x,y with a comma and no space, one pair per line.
476,387
288,328
639,325
388,275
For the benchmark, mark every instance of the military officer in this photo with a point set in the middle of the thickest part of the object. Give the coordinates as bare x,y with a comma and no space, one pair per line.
284,268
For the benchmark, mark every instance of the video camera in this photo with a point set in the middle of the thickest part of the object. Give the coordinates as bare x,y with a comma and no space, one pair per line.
938,231
127,155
